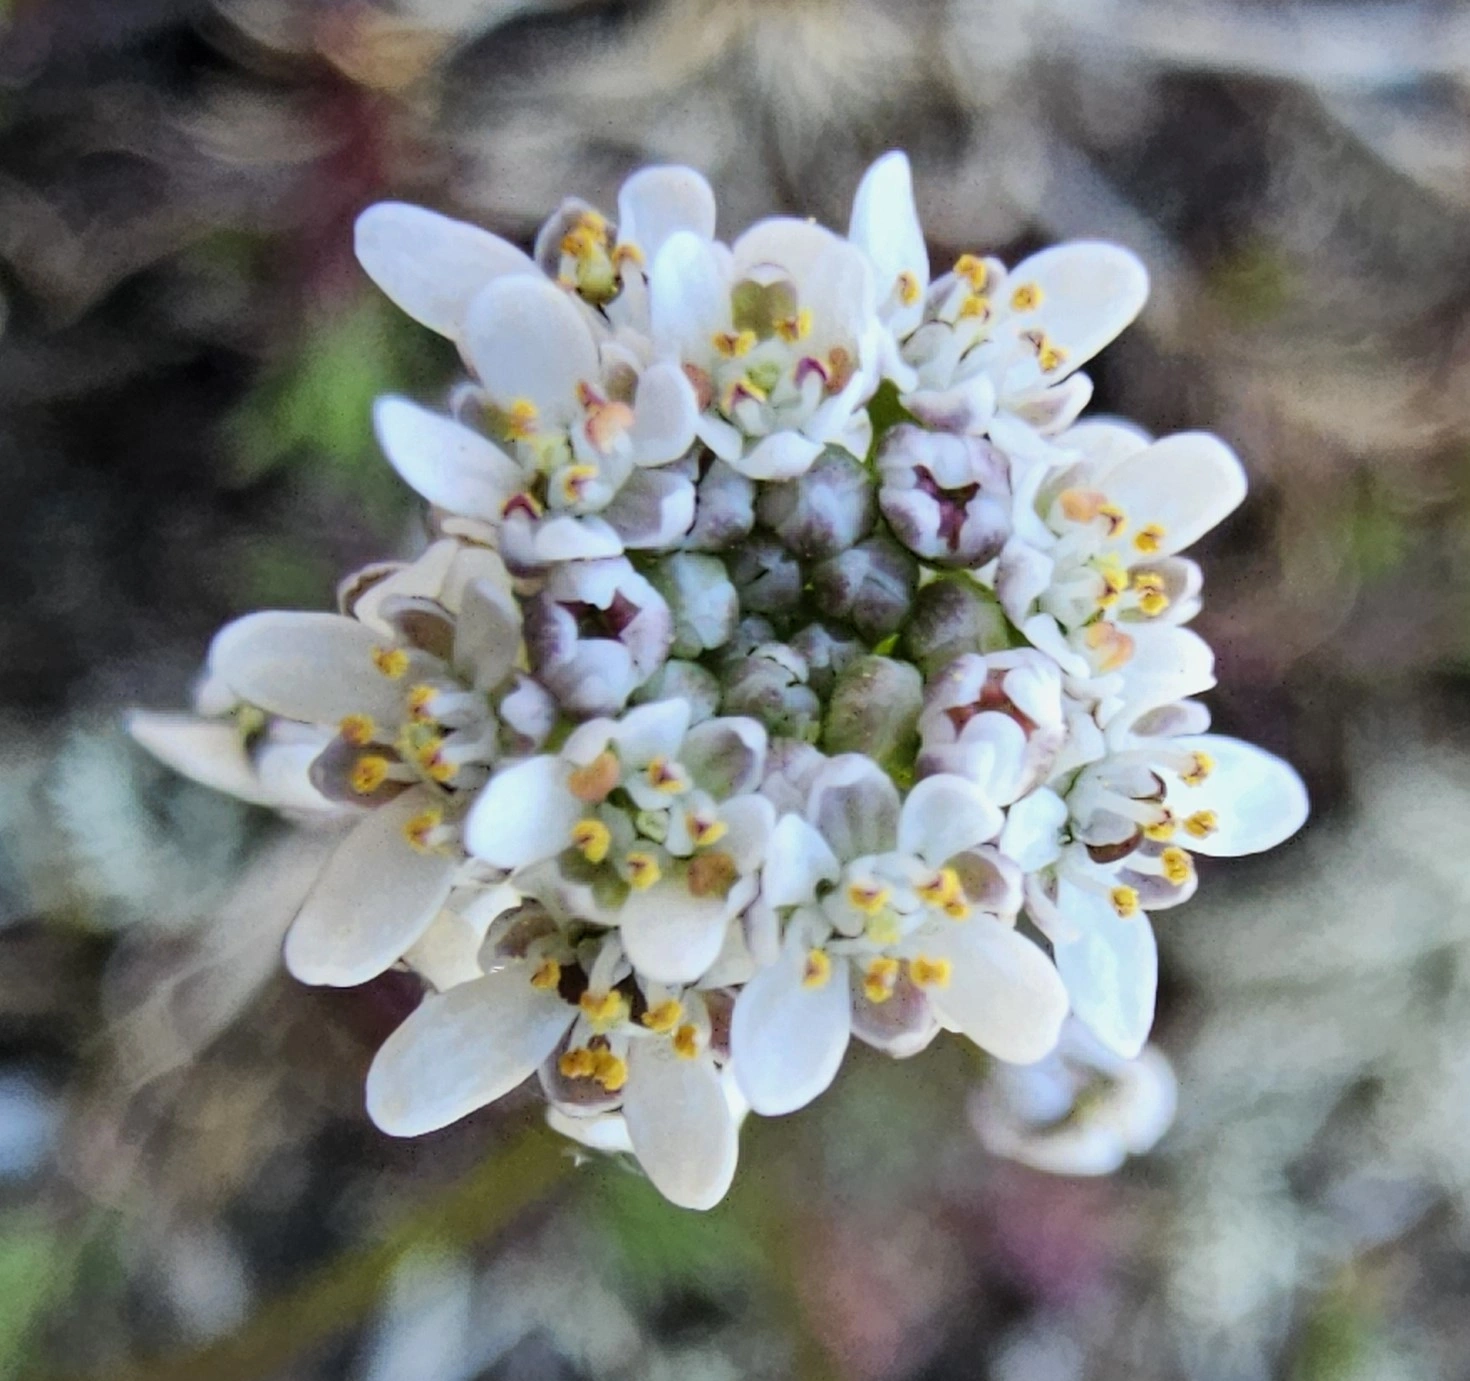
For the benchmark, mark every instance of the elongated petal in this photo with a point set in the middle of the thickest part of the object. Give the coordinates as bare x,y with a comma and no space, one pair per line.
854,804
671,936
655,203
797,859
665,412
463,1049
1111,969
1033,830
944,816
885,225
454,468
787,1040
690,296
1003,992
1182,486
375,898
780,456
430,265
524,814
527,341
317,668
1256,799
680,1124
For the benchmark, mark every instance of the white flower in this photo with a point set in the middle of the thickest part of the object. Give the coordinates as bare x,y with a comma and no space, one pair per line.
643,823
779,334
1080,1111
880,903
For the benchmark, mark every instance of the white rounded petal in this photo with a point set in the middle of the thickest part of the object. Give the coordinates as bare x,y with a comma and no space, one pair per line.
787,1040
689,296
885,224
527,340
1257,799
655,203
749,821
463,1049
454,468
945,815
665,413
1184,484
374,899
649,731
854,804
430,265
797,859
1033,830
317,668
448,952
671,936
524,813
1003,992
605,1131
779,456
1167,664
652,510
680,1124
1111,969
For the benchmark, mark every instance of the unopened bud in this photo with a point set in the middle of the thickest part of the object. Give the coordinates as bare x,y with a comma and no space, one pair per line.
946,497
951,616
770,685
724,506
687,681
875,710
827,651
825,511
871,586
766,575
701,598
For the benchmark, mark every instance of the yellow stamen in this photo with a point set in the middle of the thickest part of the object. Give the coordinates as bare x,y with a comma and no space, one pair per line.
929,973
358,729
547,976
974,305
868,897
577,1063
1124,900
1153,603
686,1043
1202,824
369,773
1161,832
521,418
1117,519
1114,648
434,764
880,979
603,1009
595,782
1026,298
942,887
611,1071
1080,505
733,344
665,1017
705,832
795,328
972,268
665,776
818,969
907,287
628,253
419,700
1149,539
574,479
418,830
743,388
1199,769
643,870
391,661
711,875
957,908
592,838
1177,865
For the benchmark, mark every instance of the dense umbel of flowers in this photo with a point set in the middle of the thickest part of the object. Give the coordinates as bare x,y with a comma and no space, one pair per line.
789,665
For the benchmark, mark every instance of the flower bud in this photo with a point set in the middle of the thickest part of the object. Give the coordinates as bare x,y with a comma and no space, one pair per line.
701,598
870,585
766,575
687,681
827,651
769,685
875,710
724,505
951,616
825,511
946,497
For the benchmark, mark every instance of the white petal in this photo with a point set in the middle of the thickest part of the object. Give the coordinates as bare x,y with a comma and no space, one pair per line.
797,859
1185,484
1167,664
787,1040
1003,992
648,732
429,265
317,668
885,226
749,821
1258,799
671,936
463,1049
652,510
680,1124
780,456
945,815
1033,830
523,814
1111,969
375,898
448,952
690,297
665,412
726,756
602,1132
527,340
854,804
487,634
454,468
655,203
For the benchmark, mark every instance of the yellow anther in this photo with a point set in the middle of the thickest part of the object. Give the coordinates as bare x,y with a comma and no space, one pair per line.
1026,298
818,969
595,781
1124,900
1080,505
577,1063
369,772
628,253
795,328
1202,824
868,897
1177,865
391,661
420,830
643,870
957,908
1112,646
358,729
521,418
1149,539
733,344
880,979
419,700
742,390
606,423
1161,831
929,973
1200,767
686,1043
665,1017
942,887
712,874
433,764
976,306
665,776
1153,603
973,269
592,839
1117,519
574,479
547,976
524,502
611,1071
704,831
907,288
603,1009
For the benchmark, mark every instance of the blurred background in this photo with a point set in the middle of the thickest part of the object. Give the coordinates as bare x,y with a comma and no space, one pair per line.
188,1186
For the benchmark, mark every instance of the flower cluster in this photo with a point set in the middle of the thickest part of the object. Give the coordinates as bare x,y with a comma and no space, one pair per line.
789,664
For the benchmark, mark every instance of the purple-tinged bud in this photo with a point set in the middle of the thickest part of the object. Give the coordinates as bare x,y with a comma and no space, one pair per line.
766,575
825,511
827,651
952,616
701,598
871,586
724,505
946,497
687,681
769,685
875,709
